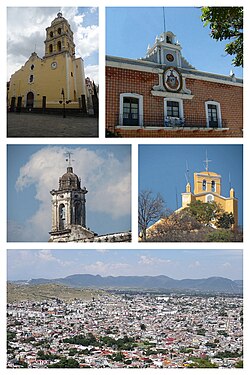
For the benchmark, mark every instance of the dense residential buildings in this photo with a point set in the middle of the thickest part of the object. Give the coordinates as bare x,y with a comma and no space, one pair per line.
127,329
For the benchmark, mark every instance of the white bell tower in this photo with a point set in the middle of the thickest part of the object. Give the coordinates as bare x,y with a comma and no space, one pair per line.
69,208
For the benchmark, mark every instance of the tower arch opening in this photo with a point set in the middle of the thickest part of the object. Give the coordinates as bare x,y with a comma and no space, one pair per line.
61,216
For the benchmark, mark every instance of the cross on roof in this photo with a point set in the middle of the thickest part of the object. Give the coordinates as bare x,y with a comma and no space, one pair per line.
207,161
68,157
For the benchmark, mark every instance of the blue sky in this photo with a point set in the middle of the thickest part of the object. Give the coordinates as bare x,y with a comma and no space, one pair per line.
28,34
178,264
34,170
162,169
129,31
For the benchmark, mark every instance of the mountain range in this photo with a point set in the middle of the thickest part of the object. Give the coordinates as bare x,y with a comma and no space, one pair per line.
161,282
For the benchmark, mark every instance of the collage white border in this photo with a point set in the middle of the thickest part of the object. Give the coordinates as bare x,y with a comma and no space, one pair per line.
134,142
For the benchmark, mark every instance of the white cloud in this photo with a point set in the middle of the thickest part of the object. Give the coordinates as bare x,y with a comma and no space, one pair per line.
195,264
152,261
105,269
107,179
93,72
28,34
227,265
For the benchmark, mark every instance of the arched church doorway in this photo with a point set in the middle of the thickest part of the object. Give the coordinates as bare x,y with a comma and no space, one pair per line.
30,100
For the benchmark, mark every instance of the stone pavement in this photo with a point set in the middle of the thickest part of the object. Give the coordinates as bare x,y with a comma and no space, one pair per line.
40,125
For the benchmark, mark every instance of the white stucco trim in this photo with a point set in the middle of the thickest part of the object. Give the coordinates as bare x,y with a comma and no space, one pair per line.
167,94
210,79
140,68
131,95
144,68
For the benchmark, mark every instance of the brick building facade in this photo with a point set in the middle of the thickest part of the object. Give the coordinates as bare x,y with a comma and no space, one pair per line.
162,95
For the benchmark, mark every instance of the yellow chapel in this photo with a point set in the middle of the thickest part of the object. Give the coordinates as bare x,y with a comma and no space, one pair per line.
207,188
58,77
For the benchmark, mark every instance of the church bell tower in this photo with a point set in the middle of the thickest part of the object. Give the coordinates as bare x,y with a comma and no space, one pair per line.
59,37
69,209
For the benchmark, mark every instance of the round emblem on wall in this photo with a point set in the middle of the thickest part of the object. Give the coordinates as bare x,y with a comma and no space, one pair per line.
53,65
172,79
170,57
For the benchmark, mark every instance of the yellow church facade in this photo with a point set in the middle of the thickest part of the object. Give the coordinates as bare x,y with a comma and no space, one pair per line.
52,81
207,188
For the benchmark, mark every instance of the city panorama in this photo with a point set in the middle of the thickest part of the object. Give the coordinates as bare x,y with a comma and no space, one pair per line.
93,321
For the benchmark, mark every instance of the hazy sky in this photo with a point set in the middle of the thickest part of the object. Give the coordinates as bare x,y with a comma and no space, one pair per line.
179,264
28,34
34,170
162,169
129,31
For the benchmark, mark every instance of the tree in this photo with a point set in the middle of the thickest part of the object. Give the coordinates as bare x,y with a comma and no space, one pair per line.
226,23
65,363
225,220
150,209
204,213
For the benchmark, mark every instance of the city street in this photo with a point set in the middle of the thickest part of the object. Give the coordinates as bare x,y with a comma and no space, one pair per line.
40,125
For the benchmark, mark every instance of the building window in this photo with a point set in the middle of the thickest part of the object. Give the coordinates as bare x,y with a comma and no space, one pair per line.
131,109
59,46
59,31
32,67
213,186
213,114
31,78
50,48
209,198
173,112
51,34
204,185
173,109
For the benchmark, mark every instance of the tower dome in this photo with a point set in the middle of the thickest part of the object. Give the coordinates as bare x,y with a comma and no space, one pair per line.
69,180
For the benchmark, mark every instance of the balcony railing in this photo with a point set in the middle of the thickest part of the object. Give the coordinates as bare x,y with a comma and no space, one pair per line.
170,122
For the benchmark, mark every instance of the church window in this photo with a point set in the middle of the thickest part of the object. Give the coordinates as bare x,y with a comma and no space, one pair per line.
50,48
213,114
131,109
213,186
59,46
204,185
32,67
209,198
51,34
71,74
31,79
59,31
